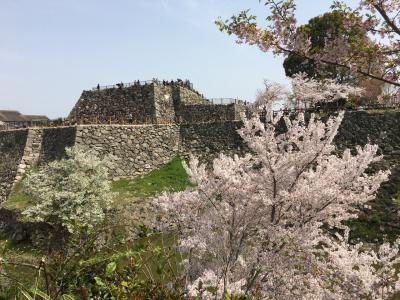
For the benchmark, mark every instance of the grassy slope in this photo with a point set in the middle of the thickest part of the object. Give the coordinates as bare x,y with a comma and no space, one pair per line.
171,177
18,199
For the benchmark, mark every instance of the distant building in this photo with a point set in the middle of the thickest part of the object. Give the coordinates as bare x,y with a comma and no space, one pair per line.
36,119
14,119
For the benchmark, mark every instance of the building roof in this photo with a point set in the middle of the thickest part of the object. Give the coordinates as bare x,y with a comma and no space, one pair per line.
16,116
36,118
11,116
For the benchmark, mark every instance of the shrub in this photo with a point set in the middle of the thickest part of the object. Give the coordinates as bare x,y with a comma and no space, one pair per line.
73,192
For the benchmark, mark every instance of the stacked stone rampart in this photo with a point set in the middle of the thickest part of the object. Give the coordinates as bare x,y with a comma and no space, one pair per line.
189,96
210,113
115,104
138,149
31,152
133,150
140,103
207,140
166,100
204,113
54,142
12,146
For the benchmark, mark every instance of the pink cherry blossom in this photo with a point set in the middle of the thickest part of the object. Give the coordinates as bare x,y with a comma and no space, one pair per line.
375,54
257,225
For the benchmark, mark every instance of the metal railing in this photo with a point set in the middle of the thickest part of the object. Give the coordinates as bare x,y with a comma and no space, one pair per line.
185,83
121,85
227,101
20,125
144,121
327,110
7,126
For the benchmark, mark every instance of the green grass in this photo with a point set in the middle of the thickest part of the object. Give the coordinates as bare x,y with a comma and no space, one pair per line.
18,199
171,177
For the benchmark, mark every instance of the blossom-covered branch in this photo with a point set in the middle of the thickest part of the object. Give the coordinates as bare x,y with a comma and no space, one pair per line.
376,57
311,92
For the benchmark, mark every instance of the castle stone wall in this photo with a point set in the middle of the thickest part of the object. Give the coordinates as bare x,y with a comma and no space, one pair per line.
190,97
383,129
54,142
207,140
138,149
116,104
44,145
207,113
31,152
165,101
212,113
171,100
12,145
133,150
145,103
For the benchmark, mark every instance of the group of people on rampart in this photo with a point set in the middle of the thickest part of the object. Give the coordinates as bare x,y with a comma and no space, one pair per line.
179,82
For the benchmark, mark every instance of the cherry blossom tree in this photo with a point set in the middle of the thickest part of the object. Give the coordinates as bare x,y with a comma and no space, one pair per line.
390,94
271,93
269,225
374,54
311,92
306,93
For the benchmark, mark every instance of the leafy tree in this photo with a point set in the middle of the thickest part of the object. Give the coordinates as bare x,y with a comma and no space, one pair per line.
74,192
329,26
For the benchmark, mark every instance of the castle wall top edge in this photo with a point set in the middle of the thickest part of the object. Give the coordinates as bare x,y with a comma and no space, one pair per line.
122,85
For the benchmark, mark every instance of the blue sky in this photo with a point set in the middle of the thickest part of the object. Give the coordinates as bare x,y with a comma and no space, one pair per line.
51,50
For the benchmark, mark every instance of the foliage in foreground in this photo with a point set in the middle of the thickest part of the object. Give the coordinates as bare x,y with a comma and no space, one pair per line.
72,192
147,269
270,224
